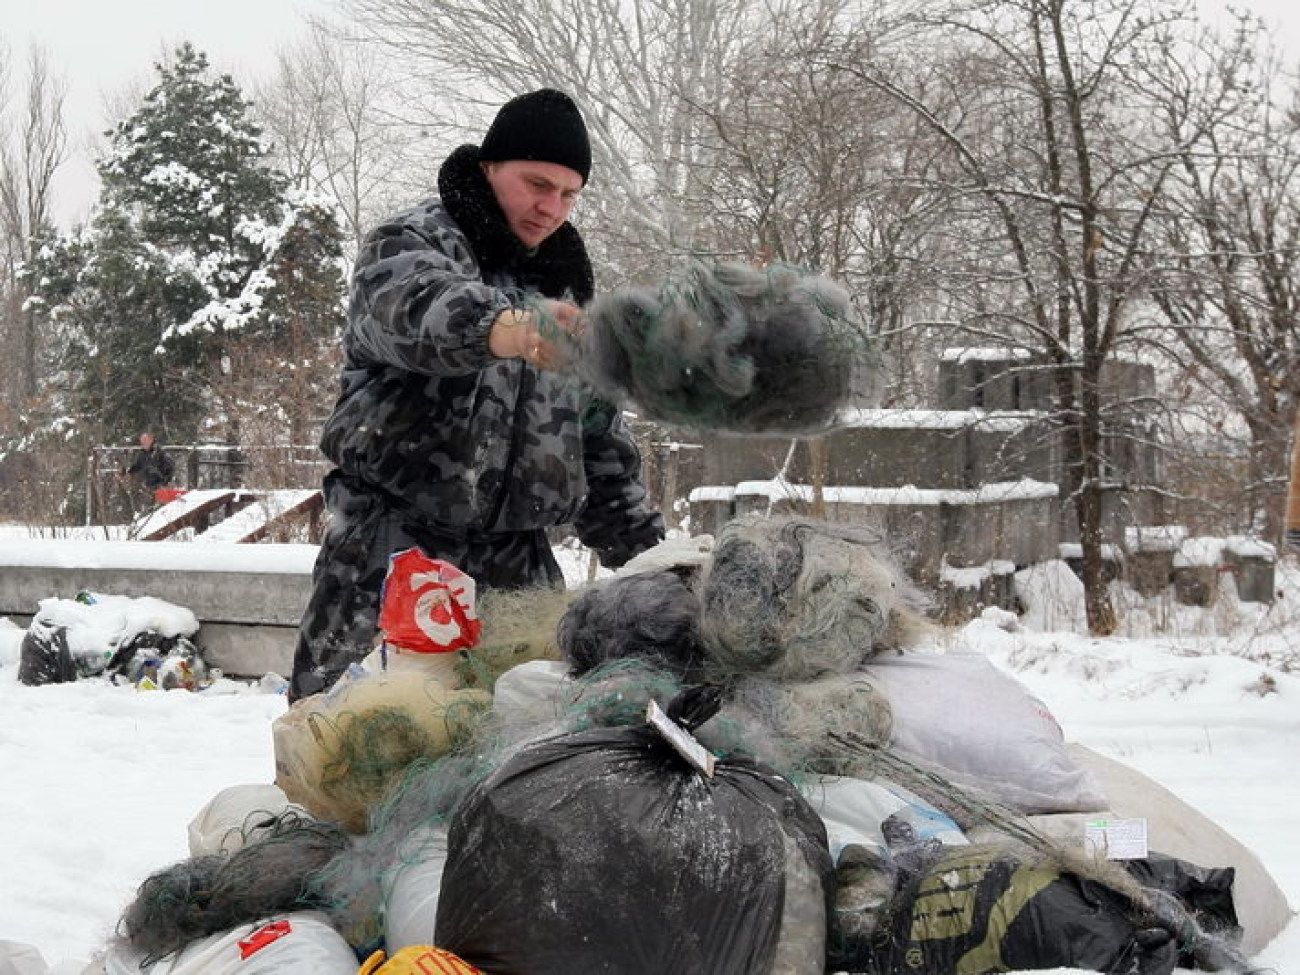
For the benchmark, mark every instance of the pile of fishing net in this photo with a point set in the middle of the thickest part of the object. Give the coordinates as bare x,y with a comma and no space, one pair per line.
702,769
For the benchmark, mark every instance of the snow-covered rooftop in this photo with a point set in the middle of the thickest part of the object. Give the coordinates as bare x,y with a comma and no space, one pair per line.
1025,489
982,420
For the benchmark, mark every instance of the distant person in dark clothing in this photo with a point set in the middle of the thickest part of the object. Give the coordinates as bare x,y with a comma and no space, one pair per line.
150,465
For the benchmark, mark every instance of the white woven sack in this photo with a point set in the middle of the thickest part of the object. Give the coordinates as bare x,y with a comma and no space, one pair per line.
287,944
984,729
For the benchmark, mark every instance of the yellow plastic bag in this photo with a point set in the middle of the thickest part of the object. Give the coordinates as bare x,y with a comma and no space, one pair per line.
417,960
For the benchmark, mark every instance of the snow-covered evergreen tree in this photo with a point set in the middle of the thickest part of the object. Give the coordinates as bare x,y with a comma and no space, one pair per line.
198,247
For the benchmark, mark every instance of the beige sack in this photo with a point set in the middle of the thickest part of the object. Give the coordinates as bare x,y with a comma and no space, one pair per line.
336,754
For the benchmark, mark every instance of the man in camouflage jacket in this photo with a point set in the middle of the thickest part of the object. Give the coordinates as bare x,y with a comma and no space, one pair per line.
451,431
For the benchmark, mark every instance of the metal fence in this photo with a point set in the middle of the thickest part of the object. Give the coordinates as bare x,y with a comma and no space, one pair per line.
112,494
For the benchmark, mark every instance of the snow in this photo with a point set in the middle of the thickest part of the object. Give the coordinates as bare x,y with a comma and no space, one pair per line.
983,355
1073,550
205,557
999,422
775,489
1245,547
1154,538
103,780
713,492
1201,551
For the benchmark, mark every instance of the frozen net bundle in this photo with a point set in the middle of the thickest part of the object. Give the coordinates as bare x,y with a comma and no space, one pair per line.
728,347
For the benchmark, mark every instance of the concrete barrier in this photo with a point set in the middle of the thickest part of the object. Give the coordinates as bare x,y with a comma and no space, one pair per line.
248,598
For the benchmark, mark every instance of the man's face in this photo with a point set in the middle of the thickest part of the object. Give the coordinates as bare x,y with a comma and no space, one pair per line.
535,196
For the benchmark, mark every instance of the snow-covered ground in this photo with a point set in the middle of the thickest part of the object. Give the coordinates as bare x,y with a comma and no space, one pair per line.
101,781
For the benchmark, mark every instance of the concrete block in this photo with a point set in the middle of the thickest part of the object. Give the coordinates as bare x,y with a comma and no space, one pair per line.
1255,577
1149,572
1196,585
247,651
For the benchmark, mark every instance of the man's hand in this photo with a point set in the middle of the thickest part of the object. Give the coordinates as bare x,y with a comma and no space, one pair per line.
543,336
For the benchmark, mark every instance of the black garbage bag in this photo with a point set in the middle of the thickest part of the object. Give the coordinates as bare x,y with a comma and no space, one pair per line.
981,910
604,851
44,657
1204,893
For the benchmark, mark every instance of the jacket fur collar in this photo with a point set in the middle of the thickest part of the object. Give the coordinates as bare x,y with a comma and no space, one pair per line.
557,268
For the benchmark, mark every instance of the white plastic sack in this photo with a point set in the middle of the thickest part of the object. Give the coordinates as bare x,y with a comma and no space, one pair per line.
17,958
411,890
679,552
236,816
855,809
984,729
288,944
532,694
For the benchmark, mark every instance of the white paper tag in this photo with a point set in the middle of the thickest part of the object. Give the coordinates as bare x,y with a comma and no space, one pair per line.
1116,839
681,739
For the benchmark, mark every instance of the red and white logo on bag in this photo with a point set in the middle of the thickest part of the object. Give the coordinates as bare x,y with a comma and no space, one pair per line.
262,937
428,605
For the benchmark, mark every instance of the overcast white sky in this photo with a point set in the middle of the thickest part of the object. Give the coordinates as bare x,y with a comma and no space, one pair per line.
105,46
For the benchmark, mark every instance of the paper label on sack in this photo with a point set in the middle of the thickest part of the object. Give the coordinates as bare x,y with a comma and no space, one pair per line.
681,739
1116,839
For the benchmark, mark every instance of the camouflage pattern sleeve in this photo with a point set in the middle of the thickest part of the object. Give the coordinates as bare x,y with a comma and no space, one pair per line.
418,300
616,521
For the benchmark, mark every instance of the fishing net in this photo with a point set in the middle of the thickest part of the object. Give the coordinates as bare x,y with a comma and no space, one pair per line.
208,894
407,827
336,754
645,615
518,625
789,599
726,347
774,633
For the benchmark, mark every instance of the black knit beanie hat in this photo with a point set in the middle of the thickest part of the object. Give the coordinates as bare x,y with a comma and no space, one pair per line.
543,126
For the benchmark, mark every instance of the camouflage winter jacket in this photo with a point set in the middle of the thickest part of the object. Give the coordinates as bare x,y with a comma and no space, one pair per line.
427,415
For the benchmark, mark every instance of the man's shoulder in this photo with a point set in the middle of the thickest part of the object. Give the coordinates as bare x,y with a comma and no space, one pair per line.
429,210
407,233
428,219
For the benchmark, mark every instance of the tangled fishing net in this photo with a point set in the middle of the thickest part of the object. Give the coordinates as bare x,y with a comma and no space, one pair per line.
789,599
727,347
204,895
643,616
338,753
518,625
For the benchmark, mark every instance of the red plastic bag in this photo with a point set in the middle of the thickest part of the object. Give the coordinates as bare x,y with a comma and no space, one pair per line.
427,605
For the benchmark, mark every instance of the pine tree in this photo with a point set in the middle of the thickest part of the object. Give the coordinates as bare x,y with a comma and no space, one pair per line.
199,253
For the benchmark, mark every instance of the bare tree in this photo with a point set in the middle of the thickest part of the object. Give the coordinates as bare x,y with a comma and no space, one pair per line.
651,74
33,144
1226,261
330,114
1045,107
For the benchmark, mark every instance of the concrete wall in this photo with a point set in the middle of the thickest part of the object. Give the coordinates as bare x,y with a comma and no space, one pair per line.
893,448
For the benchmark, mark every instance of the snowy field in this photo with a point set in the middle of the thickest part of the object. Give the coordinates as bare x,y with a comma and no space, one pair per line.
102,780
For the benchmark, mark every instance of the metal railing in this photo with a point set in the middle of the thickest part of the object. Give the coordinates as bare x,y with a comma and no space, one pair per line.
113,496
